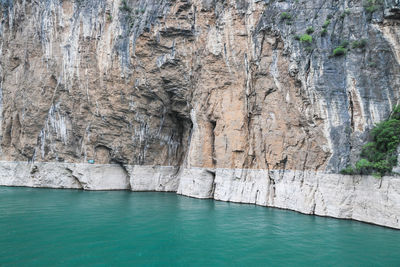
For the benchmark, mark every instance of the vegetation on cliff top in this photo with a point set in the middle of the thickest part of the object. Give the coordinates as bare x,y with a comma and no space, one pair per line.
379,156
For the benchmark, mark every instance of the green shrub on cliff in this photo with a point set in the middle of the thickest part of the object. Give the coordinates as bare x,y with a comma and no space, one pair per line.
326,23
359,43
379,156
310,30
305,38
349,170
286,16
339,51
344,43
372,5
124,7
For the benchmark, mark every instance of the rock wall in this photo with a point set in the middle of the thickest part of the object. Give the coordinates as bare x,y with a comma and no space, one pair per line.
221,84
202,88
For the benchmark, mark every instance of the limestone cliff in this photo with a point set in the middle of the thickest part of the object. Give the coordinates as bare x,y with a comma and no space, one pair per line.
211,84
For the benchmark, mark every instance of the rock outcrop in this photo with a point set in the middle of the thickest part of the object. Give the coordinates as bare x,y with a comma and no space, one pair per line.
208,98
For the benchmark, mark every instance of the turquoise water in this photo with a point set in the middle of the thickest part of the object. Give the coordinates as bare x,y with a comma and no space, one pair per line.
43,227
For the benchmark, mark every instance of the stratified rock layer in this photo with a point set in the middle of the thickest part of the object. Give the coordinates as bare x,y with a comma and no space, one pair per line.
159,89
361,198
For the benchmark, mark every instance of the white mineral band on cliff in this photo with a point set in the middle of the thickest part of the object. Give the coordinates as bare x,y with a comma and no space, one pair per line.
362,198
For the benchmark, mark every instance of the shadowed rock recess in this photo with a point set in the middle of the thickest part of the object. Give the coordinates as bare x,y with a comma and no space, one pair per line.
206,98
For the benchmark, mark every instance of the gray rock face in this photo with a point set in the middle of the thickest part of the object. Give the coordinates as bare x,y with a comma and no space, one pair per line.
153,178
356,90
100,177
220,84
196,182
64,175
392,9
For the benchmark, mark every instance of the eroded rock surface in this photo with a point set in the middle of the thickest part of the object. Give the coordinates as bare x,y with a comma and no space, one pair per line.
197,83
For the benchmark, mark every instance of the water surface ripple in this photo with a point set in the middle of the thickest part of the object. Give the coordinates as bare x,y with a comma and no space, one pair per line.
44,227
